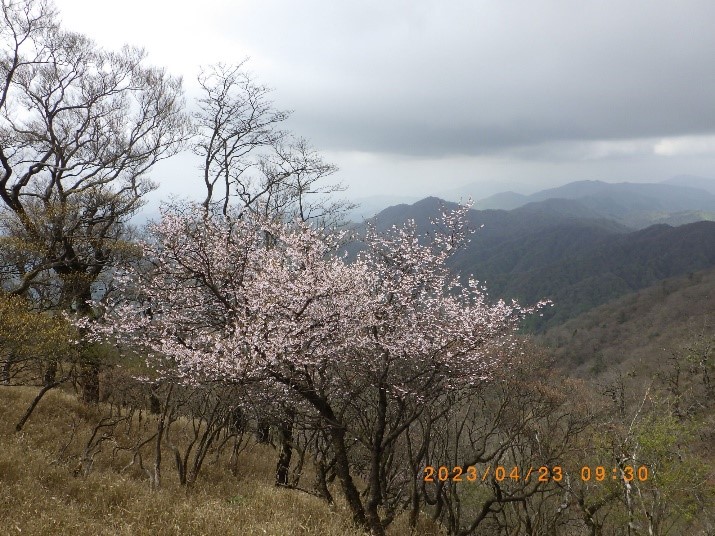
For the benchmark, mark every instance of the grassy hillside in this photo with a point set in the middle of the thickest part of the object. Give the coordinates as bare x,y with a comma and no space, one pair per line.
655,346
43,491
56,477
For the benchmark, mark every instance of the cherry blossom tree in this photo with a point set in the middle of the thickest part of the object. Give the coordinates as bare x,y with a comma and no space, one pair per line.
361,347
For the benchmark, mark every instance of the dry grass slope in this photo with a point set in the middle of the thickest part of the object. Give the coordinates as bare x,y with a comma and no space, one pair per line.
39,493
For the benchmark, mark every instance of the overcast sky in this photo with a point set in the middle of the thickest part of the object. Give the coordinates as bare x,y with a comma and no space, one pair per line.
420,96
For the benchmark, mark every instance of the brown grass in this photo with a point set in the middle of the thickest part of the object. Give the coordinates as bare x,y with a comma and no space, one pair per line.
39,493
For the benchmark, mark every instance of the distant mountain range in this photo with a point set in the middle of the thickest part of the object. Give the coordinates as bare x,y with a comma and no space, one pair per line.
636,205
566,251
676,201
692,181
367,207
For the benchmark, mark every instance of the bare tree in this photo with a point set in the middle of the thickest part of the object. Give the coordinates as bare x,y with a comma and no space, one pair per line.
80,128
291,179
235,118
248,161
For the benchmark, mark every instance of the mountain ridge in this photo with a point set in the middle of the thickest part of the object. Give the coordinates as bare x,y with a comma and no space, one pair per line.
635,205
678,200
579,262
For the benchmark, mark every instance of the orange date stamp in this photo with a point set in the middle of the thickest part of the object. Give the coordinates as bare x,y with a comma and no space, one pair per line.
543,473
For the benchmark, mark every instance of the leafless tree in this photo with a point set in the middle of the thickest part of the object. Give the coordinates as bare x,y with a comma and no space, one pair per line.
235,118
80,128
247,160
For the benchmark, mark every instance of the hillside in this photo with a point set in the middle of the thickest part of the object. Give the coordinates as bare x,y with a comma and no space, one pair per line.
657,344
639,331
615,266
53,481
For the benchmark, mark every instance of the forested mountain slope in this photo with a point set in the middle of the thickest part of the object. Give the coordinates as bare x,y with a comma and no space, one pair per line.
617,265
546,250
639,331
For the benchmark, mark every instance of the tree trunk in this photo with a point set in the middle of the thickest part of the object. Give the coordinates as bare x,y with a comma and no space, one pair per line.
154,400
337,441
34,403
376,455
342,469
321,482
89,380
285,438
76,293
5,373
51,373
263,430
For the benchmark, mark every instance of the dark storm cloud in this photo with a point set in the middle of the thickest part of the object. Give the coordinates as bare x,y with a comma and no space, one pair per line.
445,78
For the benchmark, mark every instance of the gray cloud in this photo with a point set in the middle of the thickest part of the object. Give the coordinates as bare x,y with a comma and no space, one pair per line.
444,78
418,95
